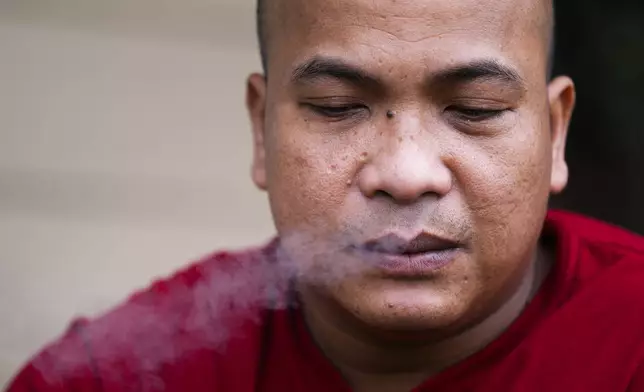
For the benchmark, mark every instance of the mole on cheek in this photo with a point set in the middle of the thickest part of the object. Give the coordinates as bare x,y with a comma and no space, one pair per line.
299,161
363,157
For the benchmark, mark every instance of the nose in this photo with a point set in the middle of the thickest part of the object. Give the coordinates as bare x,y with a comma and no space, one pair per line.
406,168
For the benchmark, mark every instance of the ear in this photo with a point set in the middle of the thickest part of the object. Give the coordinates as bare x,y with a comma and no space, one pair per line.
256,106
561,97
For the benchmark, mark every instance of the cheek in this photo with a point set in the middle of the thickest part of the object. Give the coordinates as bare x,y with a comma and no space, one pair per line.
308,181
505,188
507,172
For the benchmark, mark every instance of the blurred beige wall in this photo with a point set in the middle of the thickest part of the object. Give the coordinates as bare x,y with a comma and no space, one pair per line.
124,153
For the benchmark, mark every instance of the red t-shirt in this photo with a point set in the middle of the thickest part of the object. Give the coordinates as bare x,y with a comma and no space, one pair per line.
583,331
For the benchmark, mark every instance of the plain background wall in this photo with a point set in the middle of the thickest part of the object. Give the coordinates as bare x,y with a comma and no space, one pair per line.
124,153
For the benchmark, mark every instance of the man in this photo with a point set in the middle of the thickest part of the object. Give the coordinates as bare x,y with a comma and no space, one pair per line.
408,149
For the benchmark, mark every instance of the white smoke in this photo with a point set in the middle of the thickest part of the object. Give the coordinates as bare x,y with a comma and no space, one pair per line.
152,331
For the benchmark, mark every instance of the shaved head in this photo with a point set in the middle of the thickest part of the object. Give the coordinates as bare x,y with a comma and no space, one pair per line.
266,12
261,30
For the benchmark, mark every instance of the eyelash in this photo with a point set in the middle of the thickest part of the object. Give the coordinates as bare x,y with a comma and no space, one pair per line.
337,112
341,112
473,114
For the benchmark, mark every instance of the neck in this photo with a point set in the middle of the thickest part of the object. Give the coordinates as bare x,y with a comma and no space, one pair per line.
373,364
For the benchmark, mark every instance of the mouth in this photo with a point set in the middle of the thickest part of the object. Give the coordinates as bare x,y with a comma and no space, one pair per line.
422,255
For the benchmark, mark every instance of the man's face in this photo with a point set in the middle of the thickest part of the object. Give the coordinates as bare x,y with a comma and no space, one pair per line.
468,153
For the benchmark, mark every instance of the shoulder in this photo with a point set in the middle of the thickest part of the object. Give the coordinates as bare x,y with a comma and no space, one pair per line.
595,233
601,271
175,326
590,247
593,305
601,264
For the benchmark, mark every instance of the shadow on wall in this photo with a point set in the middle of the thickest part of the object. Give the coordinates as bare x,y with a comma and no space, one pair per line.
601,45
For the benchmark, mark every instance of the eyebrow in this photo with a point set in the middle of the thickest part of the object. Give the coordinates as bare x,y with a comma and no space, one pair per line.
487,69
329,67
320,67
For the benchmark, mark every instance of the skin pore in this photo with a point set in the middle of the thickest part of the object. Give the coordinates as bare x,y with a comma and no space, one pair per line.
473,150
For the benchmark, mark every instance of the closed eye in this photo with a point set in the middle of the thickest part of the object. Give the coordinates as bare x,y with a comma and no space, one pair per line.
336,111
474,114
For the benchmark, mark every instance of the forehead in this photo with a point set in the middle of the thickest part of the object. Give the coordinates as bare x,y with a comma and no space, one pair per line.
426,32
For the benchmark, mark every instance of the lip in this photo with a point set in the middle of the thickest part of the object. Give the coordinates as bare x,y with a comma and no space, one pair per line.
419,264
422,255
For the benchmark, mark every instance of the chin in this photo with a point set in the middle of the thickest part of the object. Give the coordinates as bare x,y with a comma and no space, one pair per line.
406,306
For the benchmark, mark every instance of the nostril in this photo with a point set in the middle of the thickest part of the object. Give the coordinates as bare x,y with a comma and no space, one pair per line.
382,194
